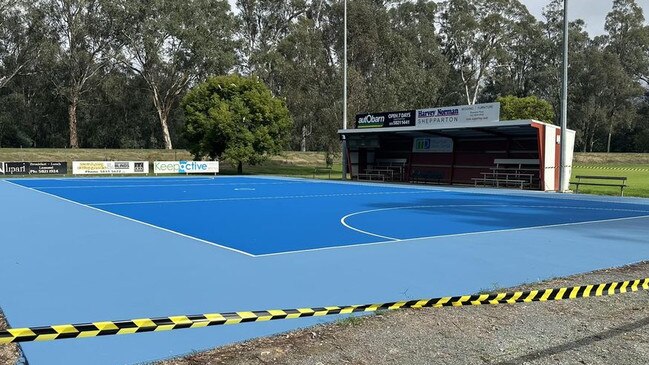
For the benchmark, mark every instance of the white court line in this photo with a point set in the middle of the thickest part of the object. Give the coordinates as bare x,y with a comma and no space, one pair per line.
259,198
156,185
449,236
135,220
343,220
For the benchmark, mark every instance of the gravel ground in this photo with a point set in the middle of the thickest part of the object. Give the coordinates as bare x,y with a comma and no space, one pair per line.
9,354
609,330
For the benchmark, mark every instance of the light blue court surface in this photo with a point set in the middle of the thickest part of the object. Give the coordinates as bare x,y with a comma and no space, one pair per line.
79,250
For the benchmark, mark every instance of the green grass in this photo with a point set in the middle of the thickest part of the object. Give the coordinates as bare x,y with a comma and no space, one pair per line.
297,164
302,164
638,181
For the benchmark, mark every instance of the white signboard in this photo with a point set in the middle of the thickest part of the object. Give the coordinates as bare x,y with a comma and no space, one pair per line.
109,167
433,145
186,167
458,114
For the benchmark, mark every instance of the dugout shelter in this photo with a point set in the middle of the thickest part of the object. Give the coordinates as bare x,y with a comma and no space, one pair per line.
467,145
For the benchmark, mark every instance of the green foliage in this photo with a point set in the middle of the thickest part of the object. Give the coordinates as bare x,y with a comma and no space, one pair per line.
531,107
236,119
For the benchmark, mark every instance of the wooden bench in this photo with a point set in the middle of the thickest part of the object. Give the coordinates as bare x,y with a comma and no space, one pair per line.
498,182
620,185
370,176
318,170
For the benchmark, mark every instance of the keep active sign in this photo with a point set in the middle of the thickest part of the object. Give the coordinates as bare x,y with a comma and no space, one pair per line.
458,114
109,167
186,167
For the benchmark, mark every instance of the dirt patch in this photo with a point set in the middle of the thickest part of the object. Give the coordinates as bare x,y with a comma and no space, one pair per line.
583,331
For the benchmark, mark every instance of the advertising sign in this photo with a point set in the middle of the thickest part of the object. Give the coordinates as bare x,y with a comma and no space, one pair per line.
33,168
386,120
186,167
109,167
432,145
458,114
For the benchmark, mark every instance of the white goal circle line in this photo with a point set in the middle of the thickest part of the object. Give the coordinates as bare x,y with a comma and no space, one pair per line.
343,220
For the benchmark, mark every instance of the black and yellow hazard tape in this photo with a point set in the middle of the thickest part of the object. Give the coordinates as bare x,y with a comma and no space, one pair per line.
94,329
613,168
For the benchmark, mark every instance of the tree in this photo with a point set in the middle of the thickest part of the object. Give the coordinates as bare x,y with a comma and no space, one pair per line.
171,44
628,37
236,119
531,107
20,37
475,34
85,39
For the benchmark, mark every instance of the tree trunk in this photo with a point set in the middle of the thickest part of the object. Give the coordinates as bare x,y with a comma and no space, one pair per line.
72,120
610,136
240,168
303,141
164,123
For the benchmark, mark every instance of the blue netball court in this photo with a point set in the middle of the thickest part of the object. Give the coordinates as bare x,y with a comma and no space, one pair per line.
78,250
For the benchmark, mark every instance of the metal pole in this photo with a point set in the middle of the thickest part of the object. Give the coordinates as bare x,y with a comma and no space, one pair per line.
344,145
564,103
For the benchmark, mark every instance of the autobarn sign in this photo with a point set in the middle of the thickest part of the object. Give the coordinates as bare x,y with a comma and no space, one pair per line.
33,168
405,118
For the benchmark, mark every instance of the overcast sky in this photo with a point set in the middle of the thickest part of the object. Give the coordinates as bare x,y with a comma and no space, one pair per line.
592,11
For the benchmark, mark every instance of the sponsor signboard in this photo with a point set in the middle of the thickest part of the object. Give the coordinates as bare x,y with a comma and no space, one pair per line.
109,167
33,168
386,120
432,145
458,114
186,167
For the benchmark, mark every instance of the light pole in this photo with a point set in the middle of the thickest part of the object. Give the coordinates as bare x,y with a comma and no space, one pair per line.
564,103
344,144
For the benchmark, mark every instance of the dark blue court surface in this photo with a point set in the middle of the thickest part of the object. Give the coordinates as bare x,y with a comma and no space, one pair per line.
77,250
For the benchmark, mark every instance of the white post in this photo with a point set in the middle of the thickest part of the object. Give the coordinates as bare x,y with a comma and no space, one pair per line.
344,144
563,180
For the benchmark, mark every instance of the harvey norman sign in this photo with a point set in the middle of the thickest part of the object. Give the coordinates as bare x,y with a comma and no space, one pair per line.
386,120
186,167
458,114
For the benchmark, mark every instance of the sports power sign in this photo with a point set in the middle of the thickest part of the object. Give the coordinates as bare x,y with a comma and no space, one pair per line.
186,167
458,114
432,145
33,168
386,120
109,167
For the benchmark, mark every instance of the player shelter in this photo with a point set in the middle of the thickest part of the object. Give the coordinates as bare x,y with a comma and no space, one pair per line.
456,145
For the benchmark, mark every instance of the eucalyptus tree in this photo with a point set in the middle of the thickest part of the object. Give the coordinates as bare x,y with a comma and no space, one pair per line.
475,34
84,36
172,44
20,37
628,37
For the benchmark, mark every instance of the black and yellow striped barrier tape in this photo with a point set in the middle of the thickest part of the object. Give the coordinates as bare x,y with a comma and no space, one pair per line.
94,329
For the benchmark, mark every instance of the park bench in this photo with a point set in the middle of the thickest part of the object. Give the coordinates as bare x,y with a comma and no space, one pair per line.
319,170
621,182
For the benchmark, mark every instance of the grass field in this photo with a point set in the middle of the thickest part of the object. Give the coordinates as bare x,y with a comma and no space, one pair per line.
634,166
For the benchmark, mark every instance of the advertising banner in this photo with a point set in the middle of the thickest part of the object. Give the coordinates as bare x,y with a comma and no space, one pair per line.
33,168
186,167
109,167
433,145
458,114
386,120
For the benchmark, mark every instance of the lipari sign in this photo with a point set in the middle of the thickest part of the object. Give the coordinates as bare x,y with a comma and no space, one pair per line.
458,115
